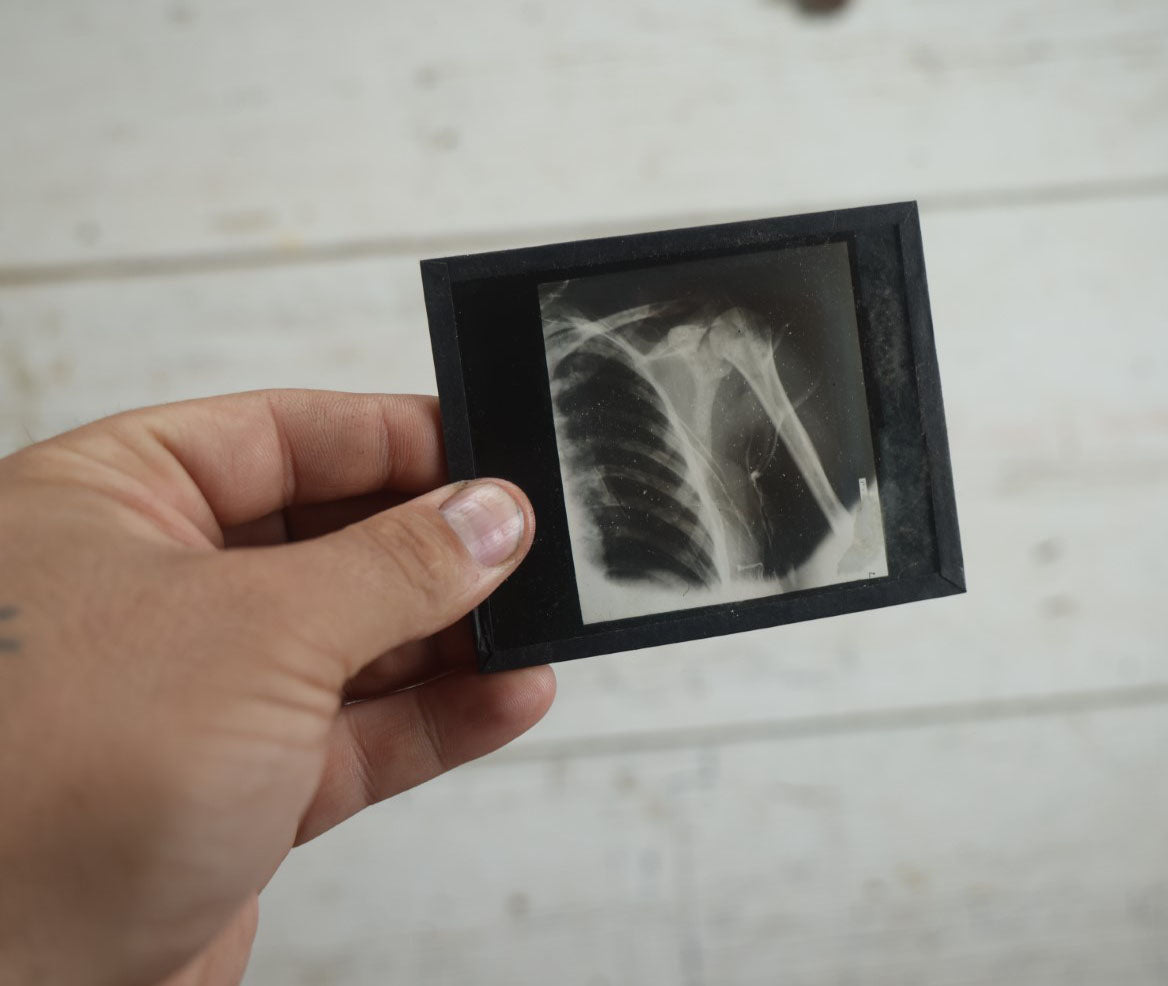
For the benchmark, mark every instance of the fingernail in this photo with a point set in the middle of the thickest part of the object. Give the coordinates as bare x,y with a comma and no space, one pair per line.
488,521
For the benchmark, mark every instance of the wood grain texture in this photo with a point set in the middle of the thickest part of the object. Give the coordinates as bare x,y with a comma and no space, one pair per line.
223,126
1027,852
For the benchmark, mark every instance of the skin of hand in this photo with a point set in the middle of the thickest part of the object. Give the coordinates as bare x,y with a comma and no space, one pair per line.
227,625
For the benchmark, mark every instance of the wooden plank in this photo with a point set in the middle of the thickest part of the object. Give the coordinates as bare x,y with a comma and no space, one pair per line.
1023,852
217,126
69,353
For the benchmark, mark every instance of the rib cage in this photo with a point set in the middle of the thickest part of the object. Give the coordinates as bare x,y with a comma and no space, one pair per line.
632,474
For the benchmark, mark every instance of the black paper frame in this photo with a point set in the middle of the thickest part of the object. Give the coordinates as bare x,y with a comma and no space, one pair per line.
487,336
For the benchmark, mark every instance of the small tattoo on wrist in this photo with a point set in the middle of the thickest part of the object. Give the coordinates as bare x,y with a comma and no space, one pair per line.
8,645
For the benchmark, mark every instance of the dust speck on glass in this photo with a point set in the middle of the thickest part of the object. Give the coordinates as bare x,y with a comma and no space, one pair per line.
712,431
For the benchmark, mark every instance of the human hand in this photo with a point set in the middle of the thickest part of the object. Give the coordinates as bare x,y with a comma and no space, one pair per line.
172,672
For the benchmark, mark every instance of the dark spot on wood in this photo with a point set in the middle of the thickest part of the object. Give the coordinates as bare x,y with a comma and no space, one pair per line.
624,782
9,645
1047,551
445,139
427,77
817,7
518,905
1059,607
9,612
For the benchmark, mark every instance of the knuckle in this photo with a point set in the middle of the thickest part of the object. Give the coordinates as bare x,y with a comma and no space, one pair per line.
431,740
361,765
420,552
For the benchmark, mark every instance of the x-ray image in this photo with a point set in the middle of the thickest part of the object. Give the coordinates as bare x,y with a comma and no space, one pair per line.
712,431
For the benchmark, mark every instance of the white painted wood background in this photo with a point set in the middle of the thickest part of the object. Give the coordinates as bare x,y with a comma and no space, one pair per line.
201,196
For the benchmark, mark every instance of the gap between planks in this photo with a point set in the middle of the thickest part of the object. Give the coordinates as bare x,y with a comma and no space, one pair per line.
841,724
119,268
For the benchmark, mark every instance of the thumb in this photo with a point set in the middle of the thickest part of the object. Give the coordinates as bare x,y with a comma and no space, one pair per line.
400,575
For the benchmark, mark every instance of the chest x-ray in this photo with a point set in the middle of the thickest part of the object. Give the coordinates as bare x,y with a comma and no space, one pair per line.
713,431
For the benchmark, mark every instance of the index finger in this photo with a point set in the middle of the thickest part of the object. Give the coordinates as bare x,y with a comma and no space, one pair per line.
247,455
